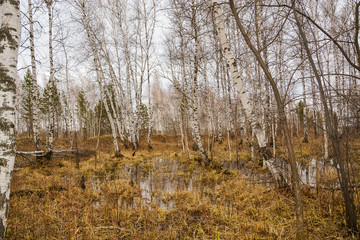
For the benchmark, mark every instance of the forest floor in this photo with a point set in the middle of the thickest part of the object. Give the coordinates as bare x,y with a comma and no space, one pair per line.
161,194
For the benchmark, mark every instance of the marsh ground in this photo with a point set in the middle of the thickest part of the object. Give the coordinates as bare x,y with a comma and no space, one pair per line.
161,194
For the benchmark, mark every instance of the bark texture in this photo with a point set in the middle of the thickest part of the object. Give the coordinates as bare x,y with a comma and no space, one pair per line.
9,44
51,132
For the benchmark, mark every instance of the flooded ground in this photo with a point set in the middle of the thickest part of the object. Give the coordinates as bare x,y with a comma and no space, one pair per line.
157,180
154,198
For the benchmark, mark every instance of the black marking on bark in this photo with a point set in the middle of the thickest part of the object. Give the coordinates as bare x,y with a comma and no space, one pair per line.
3,162
265,152
11,152
5,35
3,203
2,229
6,108
5,125
7,83
12,2
2,200
7,145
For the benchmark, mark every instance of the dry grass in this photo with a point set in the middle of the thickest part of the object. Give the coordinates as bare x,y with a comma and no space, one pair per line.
48,201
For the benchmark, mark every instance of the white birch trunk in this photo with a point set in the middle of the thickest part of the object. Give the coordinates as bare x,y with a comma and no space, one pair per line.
273,136
218,96
111,120
238,82
117,115
69,119
195,96
326,142
130,115
51,80
219,120
305,105
314,110
149,33
184,126
339,99
208,110
9,44
182,132
256,125
150,111
35,108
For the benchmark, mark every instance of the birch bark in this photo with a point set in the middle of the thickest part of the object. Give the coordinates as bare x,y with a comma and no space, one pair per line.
49,4
238,82
305,139
35,109
218,98
195,97
9,44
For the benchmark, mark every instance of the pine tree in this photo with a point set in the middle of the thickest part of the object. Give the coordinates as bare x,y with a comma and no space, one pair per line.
56,101
27,101
144,117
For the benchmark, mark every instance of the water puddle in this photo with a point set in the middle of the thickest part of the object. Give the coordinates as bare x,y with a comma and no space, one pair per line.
153,183
315,173
318,173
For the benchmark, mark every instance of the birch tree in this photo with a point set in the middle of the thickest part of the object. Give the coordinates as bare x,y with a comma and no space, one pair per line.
257,127
194,114
332,130
9,44
184,49
51,131
69,120
35,108
99,72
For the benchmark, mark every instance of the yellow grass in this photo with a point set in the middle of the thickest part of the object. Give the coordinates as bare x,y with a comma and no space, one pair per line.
48,202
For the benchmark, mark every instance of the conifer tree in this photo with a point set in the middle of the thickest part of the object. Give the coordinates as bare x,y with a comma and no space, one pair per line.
27,101
51,100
